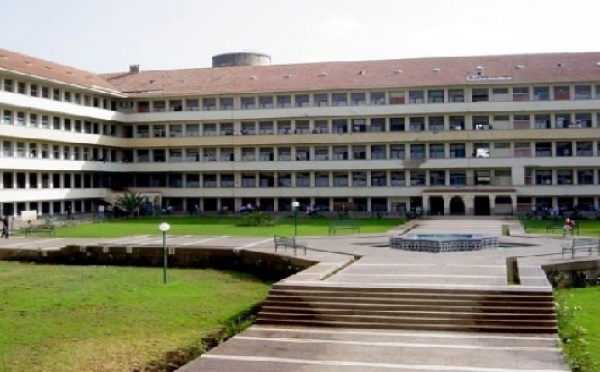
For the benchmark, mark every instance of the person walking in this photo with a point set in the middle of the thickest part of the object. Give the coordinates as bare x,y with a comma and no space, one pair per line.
5,227
568,226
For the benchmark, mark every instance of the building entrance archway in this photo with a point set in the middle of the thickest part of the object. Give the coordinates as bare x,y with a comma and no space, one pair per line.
481,205
457,206
436,205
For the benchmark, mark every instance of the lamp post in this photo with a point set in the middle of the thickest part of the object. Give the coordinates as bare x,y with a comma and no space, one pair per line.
164,227
295,206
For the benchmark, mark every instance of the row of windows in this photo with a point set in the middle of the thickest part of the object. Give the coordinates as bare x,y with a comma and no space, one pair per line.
56,94
393,97
562,177
30,119
57,152
399,151
373,125
34,180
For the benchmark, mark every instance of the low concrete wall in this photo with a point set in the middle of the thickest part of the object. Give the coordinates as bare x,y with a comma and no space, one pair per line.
269,266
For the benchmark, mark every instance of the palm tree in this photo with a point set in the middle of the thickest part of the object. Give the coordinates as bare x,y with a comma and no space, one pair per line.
130,202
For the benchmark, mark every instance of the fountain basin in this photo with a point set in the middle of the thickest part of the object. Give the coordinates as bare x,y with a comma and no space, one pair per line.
437,243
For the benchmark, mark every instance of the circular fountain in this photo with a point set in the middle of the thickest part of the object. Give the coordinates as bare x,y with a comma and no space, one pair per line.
437,243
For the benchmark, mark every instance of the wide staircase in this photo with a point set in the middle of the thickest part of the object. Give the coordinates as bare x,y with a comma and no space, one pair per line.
508,310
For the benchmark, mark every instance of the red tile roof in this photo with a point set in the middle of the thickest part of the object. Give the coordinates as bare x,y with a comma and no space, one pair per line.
517,69
28,65
360,75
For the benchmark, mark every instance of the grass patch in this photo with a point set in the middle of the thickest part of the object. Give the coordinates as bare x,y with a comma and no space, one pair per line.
578,311
95,318
586,227
214,226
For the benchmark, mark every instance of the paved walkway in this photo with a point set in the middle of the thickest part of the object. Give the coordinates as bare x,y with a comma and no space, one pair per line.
262,348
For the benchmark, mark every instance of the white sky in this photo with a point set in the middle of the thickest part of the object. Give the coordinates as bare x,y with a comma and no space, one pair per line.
109,35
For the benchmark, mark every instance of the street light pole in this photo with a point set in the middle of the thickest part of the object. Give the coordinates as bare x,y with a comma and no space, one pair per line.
295,206
164,227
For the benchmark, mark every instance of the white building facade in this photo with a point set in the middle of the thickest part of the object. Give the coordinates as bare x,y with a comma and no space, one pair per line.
490,135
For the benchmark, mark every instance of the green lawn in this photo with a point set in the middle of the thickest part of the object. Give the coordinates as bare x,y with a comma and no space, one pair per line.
215,226
586,227
586,302
94,318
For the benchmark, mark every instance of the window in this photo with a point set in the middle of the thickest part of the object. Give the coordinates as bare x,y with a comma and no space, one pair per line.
303,179
284,101
564,149
20,118
583,92
321,126
417,178
226,103
33,90
583,120
192,155
543,149
435,96
359,179
56,94
480,95
321,99
564,177
417,124
192,105
209,104
302,127
397,178
456,95
266,127
584,148
541,93
397,125
265,101
436,151
159,106
561,93
378,152
322,179
209,129
340,126
377,125
397,98
227,180
45,92
226,129
397,151
358,99
340,179
192,130
522,149
562,120
358,152
8,85
436,123
210,154
377,98
458,178
321,153
67,97
457,122
481,150
21,87
481,123
521,122
417,151
359,125
302,100
248,103
585,177
542,121
416,96
339,99
284,154
158,155
457,150
6,117
521,94
437,178
175,155
266,154
378,178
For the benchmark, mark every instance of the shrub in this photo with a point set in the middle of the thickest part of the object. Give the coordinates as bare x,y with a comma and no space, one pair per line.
254,219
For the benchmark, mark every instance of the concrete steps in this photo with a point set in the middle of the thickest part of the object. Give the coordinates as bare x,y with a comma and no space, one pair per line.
448,309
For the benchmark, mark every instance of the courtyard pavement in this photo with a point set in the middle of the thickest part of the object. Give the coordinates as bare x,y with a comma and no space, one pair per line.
262,348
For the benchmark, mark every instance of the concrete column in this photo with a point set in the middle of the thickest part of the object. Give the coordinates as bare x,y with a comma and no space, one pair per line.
469,204
425,204
492,204
447,199
513,200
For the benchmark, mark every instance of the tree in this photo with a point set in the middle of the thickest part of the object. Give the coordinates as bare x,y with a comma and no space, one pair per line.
130,202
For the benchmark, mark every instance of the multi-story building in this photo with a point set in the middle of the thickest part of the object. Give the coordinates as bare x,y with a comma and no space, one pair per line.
467,135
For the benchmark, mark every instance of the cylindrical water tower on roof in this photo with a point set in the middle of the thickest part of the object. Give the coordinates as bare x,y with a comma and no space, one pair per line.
241,59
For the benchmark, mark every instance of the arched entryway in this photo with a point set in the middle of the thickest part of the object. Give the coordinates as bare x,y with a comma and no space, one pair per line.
457,206
481,205
436,206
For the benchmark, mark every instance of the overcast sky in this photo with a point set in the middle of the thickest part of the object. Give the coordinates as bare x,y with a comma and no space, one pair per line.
109,35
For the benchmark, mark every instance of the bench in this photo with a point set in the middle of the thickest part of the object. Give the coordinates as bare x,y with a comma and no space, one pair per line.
46,229
343,225
558,225
288,242
581,245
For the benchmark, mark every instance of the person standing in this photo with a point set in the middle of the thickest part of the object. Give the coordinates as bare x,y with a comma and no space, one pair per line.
5,227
